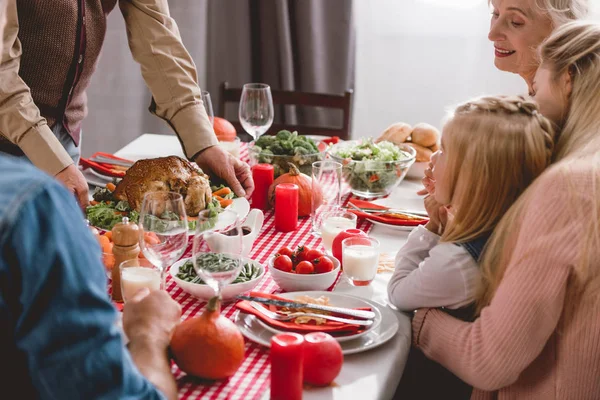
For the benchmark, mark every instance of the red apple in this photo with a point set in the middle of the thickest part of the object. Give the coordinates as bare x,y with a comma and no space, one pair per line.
323,358
336,247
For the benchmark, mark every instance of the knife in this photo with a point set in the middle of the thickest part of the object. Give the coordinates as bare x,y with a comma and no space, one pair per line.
409,213
292,304
110,161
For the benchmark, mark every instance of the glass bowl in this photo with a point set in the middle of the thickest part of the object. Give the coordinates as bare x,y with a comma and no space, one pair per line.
281,163
370,178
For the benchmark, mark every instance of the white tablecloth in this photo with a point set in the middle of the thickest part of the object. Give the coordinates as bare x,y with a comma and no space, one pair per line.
369,375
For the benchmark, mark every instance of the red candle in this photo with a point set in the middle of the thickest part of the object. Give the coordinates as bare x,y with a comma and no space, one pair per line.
263,176
286,207
287,357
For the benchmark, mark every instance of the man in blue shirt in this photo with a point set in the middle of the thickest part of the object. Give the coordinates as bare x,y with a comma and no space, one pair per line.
58,332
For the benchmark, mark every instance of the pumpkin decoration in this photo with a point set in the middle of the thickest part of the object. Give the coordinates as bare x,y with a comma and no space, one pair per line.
305,190
224,130
209,346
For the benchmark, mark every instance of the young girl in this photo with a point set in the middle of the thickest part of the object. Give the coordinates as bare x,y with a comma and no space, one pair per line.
492,149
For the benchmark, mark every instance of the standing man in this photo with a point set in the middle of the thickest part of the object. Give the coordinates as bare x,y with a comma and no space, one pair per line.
51,49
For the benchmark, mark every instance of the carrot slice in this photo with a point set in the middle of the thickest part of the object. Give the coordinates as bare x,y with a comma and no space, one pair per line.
225,202
111,186
222,192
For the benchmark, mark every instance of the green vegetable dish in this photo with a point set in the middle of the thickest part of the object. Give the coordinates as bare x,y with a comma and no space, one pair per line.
372,169
248,272
286,147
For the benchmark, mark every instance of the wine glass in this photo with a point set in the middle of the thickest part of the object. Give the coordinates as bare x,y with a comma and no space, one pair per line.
256,109
208,106
164,222
217,248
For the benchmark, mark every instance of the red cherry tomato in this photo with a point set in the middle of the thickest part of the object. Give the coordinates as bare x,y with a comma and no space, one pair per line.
323,358
286,251
323,264
301,253
304,267
313,255
283,263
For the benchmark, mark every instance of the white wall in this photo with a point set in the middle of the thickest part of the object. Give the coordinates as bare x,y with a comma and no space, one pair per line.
417,58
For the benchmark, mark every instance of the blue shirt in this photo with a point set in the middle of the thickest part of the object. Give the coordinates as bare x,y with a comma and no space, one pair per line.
58,338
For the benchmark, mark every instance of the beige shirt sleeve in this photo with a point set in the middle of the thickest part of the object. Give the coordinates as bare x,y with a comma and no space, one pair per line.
20,119
169,72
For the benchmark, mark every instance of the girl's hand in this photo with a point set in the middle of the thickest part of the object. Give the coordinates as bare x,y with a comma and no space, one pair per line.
433,210
428,180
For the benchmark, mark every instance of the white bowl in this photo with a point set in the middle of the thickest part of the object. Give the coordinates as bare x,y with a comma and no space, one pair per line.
417,170
291,282
204,292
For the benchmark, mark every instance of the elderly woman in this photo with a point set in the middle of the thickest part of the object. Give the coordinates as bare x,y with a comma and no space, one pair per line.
538,333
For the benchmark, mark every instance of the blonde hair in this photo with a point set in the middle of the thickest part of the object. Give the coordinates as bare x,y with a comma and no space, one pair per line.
574,47
496,146
563,11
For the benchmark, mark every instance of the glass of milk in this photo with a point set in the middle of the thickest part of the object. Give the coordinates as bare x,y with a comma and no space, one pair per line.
360,257
334,222
137,274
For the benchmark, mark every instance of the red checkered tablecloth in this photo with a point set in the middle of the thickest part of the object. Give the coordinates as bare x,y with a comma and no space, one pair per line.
252,378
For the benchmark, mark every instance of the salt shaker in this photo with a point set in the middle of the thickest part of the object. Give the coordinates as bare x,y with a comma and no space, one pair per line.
125,236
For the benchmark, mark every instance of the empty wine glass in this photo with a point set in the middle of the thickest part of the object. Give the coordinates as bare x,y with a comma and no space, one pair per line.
256,109
164,221
217,249
208,106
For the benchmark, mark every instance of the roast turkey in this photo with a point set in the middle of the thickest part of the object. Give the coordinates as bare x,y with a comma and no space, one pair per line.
172,174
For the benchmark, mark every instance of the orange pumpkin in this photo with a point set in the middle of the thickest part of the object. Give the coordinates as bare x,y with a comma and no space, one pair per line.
305,190
224,130
209,346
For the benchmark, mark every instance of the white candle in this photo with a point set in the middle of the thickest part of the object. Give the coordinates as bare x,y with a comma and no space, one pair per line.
331,227
360,263
135,278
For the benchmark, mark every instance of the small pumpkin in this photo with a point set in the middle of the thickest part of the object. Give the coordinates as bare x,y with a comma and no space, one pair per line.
305,190
224,130
209,346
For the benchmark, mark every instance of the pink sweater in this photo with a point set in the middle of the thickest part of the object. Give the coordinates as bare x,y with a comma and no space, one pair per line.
526,344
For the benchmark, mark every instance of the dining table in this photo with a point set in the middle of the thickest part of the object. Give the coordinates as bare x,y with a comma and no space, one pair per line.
372,374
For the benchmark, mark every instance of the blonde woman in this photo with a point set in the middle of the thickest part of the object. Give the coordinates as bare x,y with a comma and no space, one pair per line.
492,149
538,333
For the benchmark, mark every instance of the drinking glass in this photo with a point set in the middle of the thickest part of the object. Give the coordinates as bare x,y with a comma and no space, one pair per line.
334,222
208,106
137,274
217,249
256,109
326,191
360,257
164,220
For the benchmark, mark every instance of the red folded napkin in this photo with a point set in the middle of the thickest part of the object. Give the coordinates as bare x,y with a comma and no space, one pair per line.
382,218
105,169
332,327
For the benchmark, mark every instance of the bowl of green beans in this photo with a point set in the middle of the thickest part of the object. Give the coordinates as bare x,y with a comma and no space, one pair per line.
184,275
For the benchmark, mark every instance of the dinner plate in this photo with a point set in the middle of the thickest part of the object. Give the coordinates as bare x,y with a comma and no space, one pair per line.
254,331
404,228
336,300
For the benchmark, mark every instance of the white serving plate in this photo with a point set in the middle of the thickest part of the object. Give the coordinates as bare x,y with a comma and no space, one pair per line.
336,300
254,331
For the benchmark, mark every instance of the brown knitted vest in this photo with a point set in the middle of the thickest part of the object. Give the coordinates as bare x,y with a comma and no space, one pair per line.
50,33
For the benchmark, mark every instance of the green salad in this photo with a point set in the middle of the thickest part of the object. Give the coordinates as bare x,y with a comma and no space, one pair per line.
371,167
217,262
286,147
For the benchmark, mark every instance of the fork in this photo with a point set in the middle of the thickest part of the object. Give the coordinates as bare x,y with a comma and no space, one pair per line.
289,317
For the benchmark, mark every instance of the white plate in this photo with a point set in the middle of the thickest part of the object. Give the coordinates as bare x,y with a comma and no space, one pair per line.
336,300
252,330
403,228
241,206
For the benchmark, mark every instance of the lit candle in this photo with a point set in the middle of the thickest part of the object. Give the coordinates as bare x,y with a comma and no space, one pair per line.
287,357
263,176
286,207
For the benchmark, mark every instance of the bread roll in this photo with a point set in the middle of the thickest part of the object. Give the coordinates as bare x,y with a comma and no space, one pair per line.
435,147
425,135
423,153
396,133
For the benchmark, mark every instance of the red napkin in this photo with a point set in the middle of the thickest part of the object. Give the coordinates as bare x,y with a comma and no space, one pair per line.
382,218
332,327
105,169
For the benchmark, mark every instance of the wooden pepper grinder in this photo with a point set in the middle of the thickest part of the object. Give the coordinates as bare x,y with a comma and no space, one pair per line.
125,236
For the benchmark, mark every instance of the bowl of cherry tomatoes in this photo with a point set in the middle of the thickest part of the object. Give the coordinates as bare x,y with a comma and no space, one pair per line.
303,269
